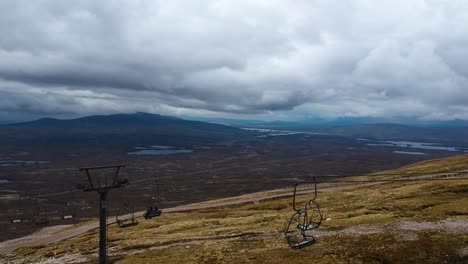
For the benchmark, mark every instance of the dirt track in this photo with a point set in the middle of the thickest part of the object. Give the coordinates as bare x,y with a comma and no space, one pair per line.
53,234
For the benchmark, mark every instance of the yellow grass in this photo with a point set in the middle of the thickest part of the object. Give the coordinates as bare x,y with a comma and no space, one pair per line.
252,233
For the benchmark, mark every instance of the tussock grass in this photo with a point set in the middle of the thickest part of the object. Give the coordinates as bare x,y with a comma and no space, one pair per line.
428,247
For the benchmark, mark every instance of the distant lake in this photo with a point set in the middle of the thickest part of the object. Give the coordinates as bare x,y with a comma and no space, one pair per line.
409,153
16,163
275,132
415,145
159,150
162,147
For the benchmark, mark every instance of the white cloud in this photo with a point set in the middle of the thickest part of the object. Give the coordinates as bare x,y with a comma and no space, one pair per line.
261,58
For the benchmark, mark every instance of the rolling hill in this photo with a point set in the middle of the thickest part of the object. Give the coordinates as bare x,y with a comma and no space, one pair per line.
127,123
116,128
387,222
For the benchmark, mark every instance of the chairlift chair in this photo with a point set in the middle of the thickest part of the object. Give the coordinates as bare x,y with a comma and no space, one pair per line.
152,211
296,233
20,214
69,212
304,218
122,218
313,215
306,189
18,218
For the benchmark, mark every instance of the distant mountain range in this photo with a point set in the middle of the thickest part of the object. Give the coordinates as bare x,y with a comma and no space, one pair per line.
120,123
365,127
137,127
341,121
143,127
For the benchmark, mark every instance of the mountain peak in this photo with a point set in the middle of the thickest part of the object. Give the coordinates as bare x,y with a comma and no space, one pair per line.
129,123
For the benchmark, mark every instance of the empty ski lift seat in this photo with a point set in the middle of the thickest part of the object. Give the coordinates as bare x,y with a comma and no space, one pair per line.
121,218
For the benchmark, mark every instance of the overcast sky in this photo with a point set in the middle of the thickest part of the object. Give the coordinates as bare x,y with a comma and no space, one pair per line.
247,59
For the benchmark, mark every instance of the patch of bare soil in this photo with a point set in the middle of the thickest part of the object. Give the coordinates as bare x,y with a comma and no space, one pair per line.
42,233
449,226
463,252
68,258
406,230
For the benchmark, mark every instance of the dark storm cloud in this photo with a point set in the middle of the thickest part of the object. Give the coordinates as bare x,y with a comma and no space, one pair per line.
272,59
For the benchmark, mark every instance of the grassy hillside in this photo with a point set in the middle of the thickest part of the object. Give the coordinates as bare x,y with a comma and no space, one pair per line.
402,222
455,163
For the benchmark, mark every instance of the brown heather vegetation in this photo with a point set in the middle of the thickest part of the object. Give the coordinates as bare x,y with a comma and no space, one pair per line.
385,223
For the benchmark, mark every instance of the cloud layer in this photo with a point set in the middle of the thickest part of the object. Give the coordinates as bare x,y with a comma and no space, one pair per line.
270,59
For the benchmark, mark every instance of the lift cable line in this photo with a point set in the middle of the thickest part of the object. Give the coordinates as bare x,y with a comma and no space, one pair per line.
260,163
446,178
284,160
444,174
21,215
304,219
57,193
318,176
